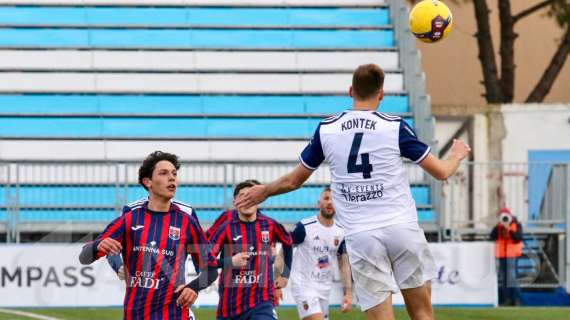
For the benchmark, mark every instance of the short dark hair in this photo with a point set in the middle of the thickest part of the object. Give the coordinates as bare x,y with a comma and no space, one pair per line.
149,163
367,80
245,184
326,188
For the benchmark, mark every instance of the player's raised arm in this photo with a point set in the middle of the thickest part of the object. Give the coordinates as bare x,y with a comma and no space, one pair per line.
108,242
283,236
289,182
419,152
443,169
201,251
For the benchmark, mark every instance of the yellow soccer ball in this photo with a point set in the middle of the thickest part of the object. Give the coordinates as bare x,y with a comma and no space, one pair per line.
430,20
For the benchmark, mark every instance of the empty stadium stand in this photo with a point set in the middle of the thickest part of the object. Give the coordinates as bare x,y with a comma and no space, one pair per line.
214,80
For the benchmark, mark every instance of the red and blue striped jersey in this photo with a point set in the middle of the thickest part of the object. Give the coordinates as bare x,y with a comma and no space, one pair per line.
241,289
155,248
220,220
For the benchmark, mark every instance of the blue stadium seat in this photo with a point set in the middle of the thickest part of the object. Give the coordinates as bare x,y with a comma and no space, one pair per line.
186,104
162,128
139,113
195,38
196,16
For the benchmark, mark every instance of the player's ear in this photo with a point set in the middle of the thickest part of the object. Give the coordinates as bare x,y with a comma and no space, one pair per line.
350,91
380,95
147,182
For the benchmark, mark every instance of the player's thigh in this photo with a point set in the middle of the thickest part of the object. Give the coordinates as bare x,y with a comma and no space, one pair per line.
371,268
382,311
418,302
316,316
412,261
308,307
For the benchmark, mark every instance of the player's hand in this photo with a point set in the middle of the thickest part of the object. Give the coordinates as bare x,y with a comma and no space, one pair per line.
121,273
250,197
110,246
239,260
186,296
346,305
281,282
460,149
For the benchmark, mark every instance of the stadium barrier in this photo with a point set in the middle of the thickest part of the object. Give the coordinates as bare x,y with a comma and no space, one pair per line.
51,276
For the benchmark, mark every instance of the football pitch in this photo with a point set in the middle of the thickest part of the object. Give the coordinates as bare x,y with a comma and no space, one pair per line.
518,313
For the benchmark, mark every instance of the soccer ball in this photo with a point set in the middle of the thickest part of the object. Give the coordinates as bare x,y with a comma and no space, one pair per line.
430,20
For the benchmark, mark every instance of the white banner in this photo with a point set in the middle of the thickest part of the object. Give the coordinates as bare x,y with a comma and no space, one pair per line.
51,276
467,274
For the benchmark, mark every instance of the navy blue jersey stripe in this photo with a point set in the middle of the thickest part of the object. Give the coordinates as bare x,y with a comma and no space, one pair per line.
387,118
333,119
172,309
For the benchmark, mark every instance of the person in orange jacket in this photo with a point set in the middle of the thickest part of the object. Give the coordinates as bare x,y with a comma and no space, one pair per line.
508,236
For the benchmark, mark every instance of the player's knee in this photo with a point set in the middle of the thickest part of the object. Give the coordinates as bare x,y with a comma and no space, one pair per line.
314,316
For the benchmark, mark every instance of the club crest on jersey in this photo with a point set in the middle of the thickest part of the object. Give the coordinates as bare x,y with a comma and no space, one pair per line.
305,305
265,236
336,241
174,233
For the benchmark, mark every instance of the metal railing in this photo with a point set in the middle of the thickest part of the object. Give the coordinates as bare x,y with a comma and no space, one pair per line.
537,193
80,196
465,206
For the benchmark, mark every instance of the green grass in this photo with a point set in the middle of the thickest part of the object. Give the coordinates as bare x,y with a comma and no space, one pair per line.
522,313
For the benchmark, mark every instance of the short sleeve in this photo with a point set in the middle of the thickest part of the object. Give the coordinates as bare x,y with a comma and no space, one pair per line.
410,147
115,230
199,246
299,233
282,234
342,248
218,238
312,156
223,217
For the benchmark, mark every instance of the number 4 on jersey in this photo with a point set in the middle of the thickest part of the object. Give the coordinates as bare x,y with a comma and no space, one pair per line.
365,167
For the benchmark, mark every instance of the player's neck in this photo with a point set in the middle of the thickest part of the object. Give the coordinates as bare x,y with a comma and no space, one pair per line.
158,204
324,221
247,218
365,105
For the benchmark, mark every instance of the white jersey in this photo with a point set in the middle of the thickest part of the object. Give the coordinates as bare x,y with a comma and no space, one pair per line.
315,257
365,151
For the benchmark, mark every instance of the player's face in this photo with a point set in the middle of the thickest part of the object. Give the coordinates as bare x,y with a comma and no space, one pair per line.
326,205
246,211
164,180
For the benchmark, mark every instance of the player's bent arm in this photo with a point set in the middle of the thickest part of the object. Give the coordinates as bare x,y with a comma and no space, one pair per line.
443,169
287,260
440,169
278,263
289,182
345,276
204,279
88,253
91,250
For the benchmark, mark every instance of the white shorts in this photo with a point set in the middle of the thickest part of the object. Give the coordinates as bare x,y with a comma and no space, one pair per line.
309,302
385,259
